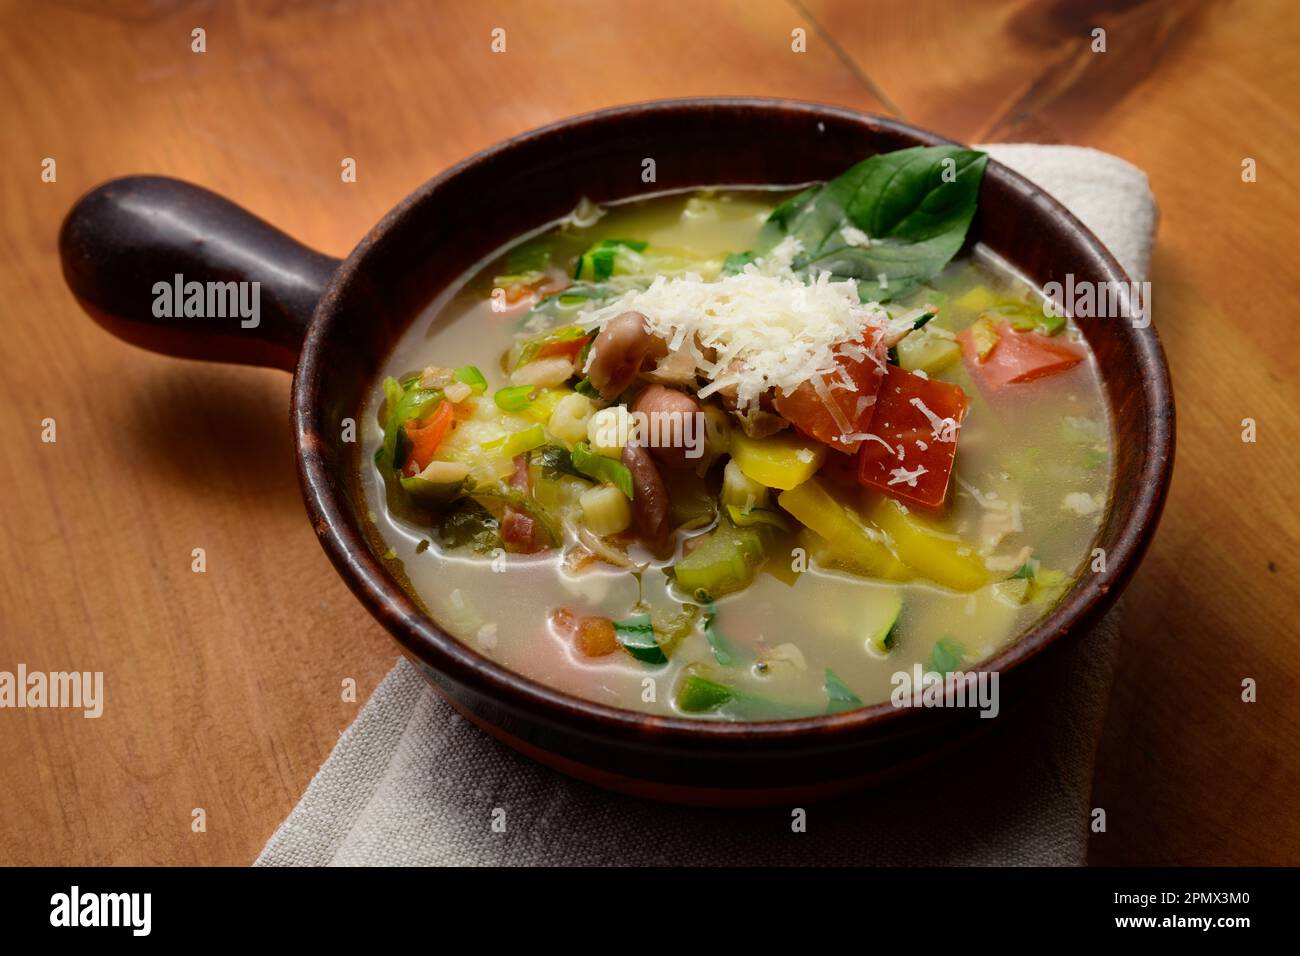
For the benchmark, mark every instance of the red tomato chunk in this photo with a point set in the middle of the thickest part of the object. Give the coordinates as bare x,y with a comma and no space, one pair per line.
926,433
1018,357
808,410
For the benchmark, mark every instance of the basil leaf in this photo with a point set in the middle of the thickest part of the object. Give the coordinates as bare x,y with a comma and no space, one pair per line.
637,635
723,652
838,696
555,460
915,205
945,657
470,524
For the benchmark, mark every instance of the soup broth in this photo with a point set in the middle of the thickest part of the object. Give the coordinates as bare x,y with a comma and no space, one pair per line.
834,585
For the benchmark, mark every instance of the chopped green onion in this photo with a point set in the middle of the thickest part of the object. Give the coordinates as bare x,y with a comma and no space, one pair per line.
471,376
516,443
584,387
514,398
601,468
599,262
529,349
401,404
1026,570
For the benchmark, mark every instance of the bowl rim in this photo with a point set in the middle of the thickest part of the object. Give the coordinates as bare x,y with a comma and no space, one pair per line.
424,639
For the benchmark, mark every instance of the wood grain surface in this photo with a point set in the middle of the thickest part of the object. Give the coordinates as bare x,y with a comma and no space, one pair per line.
223,689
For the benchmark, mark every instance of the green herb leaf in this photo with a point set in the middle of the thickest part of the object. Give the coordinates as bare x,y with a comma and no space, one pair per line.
723,651
946,656
1026,570
838,696
471,525
637,635
555,460
471,376
698,695
914,204
600,261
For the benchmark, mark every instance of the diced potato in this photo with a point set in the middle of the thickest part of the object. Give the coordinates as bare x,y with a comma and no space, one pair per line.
781,461
742,491
436,377
545,373
457,392
605,510
445,472
467,442
609,430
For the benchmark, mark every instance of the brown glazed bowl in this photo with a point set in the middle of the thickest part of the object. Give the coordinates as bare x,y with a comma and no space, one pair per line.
332,323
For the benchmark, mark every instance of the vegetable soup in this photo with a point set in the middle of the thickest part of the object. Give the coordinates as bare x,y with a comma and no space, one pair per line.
744,454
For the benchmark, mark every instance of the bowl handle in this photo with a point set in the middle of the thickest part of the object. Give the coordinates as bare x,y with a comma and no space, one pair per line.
172,267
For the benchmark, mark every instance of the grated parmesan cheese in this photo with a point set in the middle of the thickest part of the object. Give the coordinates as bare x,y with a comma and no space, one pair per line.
854,236
941,429
758,329
900,476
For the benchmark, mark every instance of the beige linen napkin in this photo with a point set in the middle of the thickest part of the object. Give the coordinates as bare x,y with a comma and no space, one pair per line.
413,783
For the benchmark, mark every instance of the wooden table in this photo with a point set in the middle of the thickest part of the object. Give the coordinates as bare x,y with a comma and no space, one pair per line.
223,689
